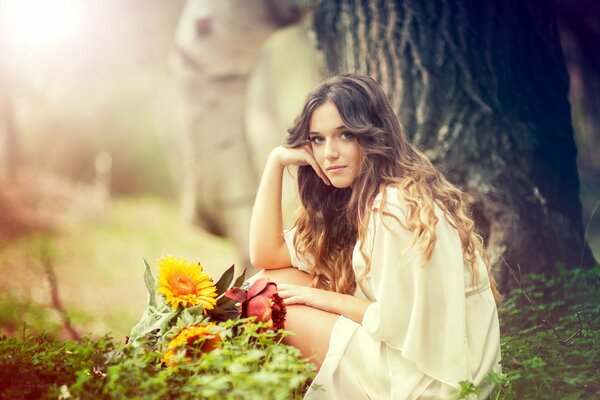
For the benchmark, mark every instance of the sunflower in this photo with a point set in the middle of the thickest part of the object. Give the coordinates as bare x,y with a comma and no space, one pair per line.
197,339
183,282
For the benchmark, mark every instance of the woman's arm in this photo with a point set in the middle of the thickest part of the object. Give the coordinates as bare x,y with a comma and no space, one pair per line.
336,303
267,247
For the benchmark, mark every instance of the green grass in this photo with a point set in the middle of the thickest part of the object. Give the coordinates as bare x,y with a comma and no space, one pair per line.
538,358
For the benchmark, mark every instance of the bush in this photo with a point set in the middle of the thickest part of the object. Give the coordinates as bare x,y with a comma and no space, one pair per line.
36,366
252,364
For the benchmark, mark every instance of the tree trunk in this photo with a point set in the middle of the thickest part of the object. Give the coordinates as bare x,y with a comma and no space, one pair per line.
216,45
481,87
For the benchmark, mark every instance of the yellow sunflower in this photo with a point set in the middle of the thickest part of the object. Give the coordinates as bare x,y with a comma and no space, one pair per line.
183,282
197,339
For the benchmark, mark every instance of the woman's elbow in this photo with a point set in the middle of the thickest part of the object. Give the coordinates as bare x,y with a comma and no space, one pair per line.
264,260
259,260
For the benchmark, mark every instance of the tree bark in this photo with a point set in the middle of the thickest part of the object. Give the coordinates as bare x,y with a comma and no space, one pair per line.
482,88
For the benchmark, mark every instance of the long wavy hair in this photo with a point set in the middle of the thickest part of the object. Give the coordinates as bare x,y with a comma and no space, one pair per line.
331,220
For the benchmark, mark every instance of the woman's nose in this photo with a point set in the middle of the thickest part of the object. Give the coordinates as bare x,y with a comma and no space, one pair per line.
331,151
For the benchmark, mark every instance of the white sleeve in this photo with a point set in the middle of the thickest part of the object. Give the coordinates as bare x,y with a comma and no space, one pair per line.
419,309
299,259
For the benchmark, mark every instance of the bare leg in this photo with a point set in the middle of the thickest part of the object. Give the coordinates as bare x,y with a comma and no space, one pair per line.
312,327
283,275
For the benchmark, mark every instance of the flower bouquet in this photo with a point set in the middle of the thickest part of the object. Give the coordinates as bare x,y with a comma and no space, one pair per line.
185,294
226,338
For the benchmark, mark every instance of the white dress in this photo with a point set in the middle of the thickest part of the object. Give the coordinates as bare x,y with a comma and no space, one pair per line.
428,327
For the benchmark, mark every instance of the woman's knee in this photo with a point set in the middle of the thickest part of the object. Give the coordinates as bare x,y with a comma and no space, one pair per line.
283,275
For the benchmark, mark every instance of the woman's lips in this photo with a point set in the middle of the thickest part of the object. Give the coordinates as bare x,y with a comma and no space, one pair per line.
333,170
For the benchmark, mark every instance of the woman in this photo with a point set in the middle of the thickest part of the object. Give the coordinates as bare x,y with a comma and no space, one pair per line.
391,295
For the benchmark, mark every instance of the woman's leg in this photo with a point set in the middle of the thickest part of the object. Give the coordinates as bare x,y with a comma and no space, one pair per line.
312,327
283,275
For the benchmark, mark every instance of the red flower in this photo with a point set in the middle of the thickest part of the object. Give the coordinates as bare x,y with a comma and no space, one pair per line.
261,301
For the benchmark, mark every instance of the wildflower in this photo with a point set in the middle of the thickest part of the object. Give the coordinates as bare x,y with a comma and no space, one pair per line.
193,340
261,301
183,282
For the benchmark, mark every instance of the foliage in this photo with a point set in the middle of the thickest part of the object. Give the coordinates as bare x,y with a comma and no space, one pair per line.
550,353
252,363
36,366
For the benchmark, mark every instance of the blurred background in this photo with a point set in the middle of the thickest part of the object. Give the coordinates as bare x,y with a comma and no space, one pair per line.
96,98
86,186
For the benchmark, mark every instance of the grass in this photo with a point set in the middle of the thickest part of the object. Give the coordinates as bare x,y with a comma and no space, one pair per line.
552,350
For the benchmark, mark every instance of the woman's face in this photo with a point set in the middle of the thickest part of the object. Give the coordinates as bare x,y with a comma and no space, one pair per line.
336,150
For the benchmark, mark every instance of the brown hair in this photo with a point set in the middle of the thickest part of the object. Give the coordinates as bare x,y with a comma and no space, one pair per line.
331,220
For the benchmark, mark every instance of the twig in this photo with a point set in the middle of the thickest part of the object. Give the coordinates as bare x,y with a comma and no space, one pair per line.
54,295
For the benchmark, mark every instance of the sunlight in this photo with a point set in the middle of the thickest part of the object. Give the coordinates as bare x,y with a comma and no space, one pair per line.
41,25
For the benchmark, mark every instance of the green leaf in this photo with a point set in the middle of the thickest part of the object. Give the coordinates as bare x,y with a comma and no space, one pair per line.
193,311
225,280
187,318
163,322
535,362
152,319
150,285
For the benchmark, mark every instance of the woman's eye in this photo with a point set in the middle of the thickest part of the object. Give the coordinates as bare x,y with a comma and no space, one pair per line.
315,139
347,135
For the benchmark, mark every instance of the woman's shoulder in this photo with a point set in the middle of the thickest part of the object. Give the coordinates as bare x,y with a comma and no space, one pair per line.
393,201
390,204
390,198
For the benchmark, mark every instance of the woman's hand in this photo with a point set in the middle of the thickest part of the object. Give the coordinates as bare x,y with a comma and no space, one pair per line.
301,156
336,303
308,296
